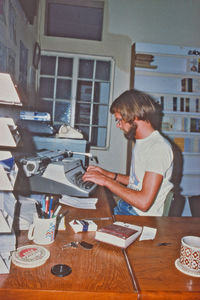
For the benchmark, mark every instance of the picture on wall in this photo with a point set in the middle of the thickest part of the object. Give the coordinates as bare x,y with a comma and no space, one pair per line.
12,23
23,65
11,62
2,11
3,57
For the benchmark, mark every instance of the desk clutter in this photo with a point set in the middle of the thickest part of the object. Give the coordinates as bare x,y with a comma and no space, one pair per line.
8,174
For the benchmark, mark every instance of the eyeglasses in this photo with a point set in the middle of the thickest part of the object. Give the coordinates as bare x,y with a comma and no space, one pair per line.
118,121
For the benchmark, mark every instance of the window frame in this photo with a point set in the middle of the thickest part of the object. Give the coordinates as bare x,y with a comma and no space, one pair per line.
75,78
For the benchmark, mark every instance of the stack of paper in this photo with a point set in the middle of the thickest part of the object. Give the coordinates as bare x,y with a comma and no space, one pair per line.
27,208
9,134
7,236
84,203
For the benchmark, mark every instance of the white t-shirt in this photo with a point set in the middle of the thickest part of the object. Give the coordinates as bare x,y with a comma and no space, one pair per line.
152,154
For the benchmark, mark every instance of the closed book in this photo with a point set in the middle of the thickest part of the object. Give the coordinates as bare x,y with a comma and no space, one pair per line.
119,234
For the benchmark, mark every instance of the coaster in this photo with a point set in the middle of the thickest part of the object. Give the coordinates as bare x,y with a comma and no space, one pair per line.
30,256
181,268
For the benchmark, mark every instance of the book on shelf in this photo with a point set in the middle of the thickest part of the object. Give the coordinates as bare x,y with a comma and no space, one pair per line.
143,56
186,85
144,65
119,234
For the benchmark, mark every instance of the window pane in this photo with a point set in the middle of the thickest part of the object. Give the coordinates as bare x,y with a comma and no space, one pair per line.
100,115
101,92
98,137
48,64
46,106
86,68
63,112
82,113
65,66
84,130
46,87
84,91
103,70
74,21
63,89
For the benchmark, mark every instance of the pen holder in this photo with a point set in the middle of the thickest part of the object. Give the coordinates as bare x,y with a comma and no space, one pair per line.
42,231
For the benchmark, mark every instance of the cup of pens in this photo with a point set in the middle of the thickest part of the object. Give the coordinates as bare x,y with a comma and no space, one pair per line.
42,230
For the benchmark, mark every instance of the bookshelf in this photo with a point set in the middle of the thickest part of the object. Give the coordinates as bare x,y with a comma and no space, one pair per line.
171,74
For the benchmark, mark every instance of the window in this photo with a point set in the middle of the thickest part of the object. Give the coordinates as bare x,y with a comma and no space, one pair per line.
79,19
76,90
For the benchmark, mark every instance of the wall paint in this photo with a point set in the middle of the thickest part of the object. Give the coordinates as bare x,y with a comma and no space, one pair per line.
174,22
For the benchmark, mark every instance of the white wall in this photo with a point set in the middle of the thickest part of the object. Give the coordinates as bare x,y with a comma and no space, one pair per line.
173,22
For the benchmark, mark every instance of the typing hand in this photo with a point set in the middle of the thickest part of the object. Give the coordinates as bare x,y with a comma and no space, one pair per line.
95,176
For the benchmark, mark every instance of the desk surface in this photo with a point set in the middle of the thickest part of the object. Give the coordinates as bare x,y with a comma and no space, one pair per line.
102,273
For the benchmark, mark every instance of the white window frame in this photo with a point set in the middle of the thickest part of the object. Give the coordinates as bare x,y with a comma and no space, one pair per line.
75,78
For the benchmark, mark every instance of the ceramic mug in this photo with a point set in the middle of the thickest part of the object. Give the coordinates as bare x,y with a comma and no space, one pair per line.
42,231
190,253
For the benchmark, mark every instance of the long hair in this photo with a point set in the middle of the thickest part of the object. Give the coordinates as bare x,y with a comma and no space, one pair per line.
136,104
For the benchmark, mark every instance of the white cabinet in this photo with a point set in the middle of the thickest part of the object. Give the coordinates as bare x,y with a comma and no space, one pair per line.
171,74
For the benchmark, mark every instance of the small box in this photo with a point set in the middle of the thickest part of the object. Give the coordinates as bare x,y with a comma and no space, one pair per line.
83,225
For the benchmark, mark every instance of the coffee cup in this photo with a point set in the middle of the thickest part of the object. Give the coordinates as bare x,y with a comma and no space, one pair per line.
190,254
42,231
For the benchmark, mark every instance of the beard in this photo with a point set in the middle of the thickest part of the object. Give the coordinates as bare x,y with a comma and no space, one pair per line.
130,135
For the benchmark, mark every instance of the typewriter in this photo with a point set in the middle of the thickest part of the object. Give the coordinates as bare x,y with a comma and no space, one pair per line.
56,172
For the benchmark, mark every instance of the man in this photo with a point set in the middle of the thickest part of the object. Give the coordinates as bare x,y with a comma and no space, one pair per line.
145,189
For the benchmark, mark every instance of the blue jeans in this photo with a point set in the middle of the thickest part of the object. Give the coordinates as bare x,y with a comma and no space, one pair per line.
123,208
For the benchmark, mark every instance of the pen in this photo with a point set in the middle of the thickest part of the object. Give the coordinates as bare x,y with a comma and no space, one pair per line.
63,214
46,204
57,211
103,218
50,206
43,204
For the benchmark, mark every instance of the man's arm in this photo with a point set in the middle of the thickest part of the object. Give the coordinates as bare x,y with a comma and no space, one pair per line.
141,199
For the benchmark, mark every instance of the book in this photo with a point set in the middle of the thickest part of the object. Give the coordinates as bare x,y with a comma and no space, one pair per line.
187,85
119,234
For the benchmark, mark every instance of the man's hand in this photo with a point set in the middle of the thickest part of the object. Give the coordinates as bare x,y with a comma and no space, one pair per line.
95,174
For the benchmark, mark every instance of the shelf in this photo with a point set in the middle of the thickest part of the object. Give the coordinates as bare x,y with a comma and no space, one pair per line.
155,72
175,94
181,110
182,114
181,133
166,50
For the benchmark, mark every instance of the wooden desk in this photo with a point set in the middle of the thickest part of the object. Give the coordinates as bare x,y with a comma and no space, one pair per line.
102,273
